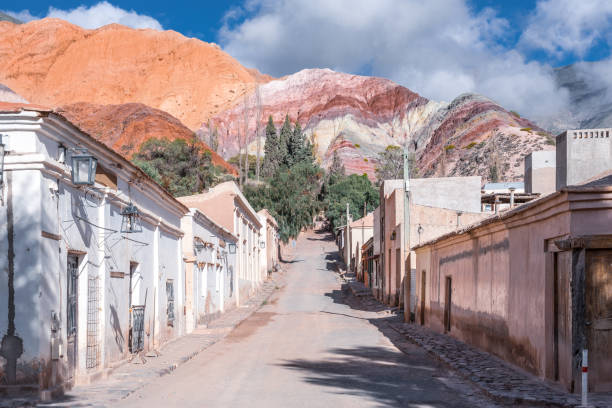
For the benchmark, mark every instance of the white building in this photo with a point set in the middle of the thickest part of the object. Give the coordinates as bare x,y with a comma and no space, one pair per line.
227,206
85,283
209,251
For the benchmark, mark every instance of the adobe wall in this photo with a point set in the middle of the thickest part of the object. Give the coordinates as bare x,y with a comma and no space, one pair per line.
541,171
502,293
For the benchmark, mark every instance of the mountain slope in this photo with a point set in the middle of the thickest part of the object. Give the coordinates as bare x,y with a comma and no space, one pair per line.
126,127
55,63
590,95
360,116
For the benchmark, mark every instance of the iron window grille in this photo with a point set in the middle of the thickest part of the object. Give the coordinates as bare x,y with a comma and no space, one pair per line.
170,305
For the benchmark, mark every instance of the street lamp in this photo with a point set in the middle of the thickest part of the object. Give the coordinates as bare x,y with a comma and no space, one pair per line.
130,221
83,168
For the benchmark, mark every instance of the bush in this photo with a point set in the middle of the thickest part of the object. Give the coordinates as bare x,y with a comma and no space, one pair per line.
179,167
514,113
526,129
357,145
355,190
449,147
469,146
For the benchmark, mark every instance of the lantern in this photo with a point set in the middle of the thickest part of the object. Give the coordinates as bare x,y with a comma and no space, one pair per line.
262,244
232,248
84,168
130,221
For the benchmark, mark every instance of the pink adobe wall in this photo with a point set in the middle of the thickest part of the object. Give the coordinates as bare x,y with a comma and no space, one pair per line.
501,287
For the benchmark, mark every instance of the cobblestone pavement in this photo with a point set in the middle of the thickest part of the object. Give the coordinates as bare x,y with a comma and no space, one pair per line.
494,377
129,377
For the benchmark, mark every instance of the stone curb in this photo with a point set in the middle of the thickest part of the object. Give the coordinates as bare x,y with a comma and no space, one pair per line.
254,303
495,378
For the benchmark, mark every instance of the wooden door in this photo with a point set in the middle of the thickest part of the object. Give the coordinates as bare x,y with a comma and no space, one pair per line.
598,318
562,319
447,304
72,315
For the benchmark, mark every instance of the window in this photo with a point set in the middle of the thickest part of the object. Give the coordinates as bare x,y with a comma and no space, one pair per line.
170,297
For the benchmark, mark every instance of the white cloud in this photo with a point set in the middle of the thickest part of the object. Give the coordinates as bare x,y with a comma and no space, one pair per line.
439,48
98,15
568,27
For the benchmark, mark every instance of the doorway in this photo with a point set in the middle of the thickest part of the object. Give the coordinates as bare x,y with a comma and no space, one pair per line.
71,314
447,304
598,318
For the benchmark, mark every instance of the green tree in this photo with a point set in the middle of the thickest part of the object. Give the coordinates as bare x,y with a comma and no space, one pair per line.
271,150
179,167
290,196
300,148
284,142
354,189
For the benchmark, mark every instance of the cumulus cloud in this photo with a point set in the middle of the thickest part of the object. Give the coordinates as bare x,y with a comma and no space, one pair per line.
568,27
439,48
98,15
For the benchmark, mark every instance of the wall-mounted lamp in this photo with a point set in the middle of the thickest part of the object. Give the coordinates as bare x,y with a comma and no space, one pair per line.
420,229
232,248
61,154
130,221
83,168
262,244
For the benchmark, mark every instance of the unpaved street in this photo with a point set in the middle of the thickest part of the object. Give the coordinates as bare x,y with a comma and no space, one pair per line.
307,348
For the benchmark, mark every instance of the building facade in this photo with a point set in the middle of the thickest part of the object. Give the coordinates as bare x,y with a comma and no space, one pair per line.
433,201
226,205
209,252
582,154
270,238
87,284
532,285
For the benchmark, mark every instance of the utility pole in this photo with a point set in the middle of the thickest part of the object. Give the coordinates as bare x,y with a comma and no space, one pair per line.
348,239
406,235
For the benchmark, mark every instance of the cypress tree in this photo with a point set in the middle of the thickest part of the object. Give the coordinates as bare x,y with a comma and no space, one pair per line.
296,146
271,150
284,141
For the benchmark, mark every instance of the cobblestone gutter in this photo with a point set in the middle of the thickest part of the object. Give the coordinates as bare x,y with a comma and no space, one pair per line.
494,377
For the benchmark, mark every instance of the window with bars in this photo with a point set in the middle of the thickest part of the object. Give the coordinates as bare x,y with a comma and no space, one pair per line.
170,305
93,322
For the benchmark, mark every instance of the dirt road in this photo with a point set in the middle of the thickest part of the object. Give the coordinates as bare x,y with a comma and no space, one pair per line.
307,348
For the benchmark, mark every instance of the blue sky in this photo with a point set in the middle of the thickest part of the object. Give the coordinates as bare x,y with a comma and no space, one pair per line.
506,50
204,19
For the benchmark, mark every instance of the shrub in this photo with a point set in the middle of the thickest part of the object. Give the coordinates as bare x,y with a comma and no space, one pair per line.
357,145
469,146
550,141
449,147
526,129
515,114
365,160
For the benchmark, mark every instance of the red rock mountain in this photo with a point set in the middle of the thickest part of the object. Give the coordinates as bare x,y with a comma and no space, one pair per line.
126,127
55,63
360,116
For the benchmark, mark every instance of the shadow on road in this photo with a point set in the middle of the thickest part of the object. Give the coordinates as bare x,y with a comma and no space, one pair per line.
389,377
